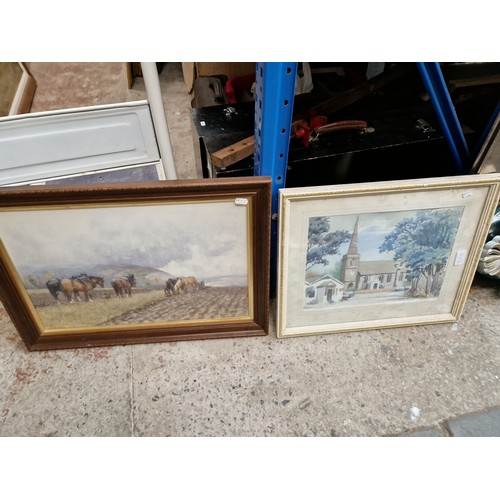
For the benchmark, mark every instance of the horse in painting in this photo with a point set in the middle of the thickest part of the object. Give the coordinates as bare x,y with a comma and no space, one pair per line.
123,286
186,284
170,286
71,287
54,287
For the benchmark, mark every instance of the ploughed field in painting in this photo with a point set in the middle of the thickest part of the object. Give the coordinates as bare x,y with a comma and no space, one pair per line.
217,298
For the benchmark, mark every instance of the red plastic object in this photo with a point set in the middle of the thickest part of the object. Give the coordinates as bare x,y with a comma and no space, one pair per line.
302,132
303,129
237,86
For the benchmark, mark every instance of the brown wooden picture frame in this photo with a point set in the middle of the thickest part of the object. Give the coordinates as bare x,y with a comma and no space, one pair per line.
17,88
195,254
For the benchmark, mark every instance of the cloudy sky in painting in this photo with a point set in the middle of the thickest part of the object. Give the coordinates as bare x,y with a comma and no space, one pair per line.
207,239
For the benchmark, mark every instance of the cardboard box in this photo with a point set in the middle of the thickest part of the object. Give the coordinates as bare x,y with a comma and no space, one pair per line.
192,70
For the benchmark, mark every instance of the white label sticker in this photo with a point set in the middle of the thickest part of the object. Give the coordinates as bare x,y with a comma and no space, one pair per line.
460,258
202,123
241,201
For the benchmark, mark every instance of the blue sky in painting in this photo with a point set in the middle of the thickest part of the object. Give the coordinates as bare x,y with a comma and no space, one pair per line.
373,228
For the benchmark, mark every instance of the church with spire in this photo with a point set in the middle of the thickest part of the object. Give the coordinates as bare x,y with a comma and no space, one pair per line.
356,276
366,276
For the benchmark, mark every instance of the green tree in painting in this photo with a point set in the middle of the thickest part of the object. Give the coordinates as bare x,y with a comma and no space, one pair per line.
321,242
423,244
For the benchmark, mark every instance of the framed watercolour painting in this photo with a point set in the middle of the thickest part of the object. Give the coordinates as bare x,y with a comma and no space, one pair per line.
383,254
136,262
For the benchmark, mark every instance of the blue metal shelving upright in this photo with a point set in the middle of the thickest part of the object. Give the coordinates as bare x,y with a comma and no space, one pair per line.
433,79
275,90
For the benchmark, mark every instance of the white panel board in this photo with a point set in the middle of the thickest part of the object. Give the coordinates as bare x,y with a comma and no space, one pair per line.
61,143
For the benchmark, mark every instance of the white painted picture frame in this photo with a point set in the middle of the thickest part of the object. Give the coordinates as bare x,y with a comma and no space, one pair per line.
331,239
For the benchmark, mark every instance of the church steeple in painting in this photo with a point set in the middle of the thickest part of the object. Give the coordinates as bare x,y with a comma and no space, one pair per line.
350,261
353,247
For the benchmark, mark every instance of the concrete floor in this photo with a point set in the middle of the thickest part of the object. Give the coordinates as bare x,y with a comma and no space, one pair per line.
401,381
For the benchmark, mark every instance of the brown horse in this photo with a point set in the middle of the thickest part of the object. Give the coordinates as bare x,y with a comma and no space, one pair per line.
123,286
186,284
71,287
